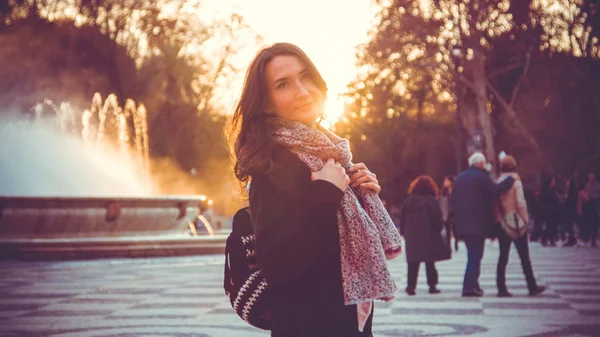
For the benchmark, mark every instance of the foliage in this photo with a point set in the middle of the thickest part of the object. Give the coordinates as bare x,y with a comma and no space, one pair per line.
406,89
160,53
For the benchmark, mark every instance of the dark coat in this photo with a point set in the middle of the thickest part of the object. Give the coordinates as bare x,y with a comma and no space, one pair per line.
473,197
298,250
421,225
550,204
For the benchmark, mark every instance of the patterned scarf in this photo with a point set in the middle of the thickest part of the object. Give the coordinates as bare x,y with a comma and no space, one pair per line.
367,236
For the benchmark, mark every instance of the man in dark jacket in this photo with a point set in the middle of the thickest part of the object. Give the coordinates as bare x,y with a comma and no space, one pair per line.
473,197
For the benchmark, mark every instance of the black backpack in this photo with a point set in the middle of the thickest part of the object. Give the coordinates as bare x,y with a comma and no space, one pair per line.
244,284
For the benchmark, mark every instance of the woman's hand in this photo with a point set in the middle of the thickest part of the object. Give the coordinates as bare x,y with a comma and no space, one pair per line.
361,176
334,173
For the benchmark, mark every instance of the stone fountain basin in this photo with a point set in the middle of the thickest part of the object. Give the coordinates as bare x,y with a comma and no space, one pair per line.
89,227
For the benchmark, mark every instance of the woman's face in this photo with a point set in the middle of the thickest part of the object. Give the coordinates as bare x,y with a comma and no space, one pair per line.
293,93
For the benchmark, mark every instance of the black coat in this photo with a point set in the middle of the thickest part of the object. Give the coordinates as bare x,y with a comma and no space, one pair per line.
298,250
473,197
421,225
550,204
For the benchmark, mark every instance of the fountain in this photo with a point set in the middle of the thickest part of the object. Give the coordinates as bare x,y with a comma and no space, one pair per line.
72,187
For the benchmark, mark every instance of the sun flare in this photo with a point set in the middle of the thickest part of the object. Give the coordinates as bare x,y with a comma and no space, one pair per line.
329,40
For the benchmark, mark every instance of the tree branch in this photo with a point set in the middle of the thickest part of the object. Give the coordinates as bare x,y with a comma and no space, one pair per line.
521,78
520,126
504,70
513,116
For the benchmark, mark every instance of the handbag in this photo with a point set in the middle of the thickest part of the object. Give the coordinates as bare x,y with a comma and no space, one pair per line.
513,225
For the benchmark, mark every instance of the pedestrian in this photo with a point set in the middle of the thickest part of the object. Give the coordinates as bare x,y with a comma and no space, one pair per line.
447,210
473,196
592,188
421,223
536,216
589,218
322,233
570,212
550,207
513,210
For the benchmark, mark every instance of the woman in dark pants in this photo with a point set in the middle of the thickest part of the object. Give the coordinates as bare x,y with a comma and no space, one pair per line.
421,225
513,205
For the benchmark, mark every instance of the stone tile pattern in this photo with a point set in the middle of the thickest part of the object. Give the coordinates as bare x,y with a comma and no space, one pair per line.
183,296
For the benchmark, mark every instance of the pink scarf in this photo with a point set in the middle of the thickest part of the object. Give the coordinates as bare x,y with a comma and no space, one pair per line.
367,236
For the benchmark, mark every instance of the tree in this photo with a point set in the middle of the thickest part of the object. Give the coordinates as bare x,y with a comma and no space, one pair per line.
407,67
60,62
176,62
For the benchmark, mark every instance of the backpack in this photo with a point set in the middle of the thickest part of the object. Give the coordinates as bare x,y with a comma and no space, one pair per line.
243,282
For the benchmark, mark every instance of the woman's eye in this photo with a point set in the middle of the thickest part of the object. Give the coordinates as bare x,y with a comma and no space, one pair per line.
282,85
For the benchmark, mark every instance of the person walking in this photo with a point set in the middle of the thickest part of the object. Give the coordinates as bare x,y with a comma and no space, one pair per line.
550,206
473,196
570,212
421,224
514,217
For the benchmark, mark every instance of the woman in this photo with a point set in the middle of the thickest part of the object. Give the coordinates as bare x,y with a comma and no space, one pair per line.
513,204
420,224
550,211
322,254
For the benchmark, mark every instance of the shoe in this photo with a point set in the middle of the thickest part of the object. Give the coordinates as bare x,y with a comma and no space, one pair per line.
434,290
410,292
504,293
553,244
480,290
472,293
537,290
570,244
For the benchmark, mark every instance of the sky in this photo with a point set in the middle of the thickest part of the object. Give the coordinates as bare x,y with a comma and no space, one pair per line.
327,30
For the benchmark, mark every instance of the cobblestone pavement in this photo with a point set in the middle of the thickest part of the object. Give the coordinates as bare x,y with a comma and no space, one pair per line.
184,297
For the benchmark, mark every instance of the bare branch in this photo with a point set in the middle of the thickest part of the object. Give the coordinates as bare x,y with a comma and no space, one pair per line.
520,126
521,78
513,116
466,81
504,70
511,112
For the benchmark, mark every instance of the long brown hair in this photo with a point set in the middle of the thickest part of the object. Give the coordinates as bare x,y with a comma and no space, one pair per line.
247,132
424,185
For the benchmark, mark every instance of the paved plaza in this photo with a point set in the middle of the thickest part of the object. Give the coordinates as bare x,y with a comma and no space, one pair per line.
184,297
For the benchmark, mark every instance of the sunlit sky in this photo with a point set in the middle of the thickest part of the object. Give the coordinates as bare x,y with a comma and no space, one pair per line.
327,30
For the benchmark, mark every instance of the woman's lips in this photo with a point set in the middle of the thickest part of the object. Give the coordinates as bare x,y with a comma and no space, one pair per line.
304,106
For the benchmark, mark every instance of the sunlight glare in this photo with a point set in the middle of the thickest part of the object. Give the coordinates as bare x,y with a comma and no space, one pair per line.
317,27
334,109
